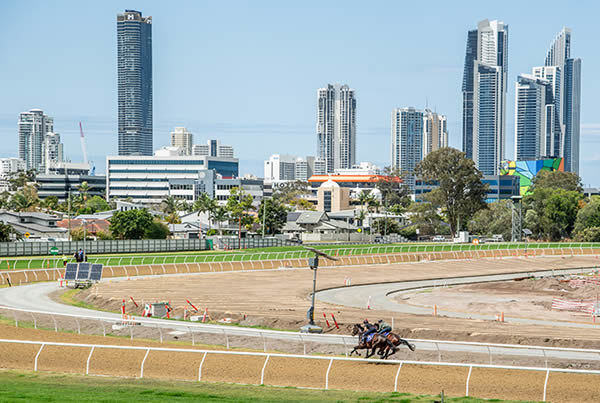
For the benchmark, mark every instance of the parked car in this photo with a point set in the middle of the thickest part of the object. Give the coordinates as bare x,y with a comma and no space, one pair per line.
439,238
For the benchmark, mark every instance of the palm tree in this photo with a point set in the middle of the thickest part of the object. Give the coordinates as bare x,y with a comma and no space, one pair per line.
169,205
220,214
205,204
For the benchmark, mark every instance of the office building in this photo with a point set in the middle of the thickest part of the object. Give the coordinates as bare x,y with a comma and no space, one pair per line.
52,150
60,185
134,68
407,141
336,126
181,138
569,99
435,132
500,187
484,95
149,180
68,168
213,148
33,126
534,118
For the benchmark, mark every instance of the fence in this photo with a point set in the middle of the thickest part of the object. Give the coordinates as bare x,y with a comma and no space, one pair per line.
293,342
302,371
367,254
130,246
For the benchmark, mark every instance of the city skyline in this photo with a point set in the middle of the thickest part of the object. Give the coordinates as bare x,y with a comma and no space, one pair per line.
286,133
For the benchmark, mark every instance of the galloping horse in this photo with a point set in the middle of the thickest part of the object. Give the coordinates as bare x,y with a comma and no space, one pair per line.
396,341
377,342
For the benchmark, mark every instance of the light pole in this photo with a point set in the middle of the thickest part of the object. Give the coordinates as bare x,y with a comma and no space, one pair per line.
84,236
313,263
517,219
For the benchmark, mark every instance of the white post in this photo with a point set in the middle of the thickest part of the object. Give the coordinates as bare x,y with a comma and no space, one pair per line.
87,365
262,373
468,379
35,364
143,362
546,384
200,367
327,374
397,374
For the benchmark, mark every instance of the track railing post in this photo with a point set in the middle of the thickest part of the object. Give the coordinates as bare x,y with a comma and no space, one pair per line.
143,362
468,379
87,364
546,384
397,375
327,374
35,363
200,367
262,373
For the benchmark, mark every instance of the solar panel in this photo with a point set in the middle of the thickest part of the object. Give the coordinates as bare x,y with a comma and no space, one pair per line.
83,273
70,271
96,272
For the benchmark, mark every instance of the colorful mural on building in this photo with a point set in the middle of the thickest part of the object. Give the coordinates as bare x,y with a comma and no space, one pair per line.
527,170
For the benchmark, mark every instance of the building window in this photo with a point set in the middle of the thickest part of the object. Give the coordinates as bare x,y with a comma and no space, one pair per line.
327,201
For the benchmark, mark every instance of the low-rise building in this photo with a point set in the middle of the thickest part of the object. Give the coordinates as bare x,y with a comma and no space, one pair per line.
9,166
35,225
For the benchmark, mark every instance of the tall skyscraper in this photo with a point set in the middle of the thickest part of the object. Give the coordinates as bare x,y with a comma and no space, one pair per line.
52,150
559,56
554,129
407,141
484,95
33,126
534,118
336,126
435,132
134,67
181,138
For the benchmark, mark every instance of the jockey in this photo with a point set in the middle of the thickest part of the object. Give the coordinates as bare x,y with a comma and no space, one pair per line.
384,327
369,329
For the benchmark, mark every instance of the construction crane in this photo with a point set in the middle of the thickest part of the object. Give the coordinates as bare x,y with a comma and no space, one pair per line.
83,148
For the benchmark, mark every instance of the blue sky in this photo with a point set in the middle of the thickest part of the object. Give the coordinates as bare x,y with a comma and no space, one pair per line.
247,72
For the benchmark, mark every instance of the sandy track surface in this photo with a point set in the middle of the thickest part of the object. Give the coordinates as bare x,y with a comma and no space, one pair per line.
280,298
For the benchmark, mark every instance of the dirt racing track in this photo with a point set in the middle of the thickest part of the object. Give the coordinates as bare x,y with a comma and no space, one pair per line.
280,296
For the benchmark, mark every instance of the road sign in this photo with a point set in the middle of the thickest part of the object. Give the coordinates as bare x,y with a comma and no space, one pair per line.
27,235
54,250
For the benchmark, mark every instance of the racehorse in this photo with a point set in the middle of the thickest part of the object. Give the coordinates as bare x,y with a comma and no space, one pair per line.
396,341
377,342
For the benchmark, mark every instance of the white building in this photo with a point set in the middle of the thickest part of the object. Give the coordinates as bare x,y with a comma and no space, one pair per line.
336,126
33,126
364,168
284,167
435,132
170,151
149,180
181,138
52,150
9,166
67,168
213,148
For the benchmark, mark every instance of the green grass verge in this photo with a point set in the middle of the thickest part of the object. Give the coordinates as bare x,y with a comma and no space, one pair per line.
284,252
40,387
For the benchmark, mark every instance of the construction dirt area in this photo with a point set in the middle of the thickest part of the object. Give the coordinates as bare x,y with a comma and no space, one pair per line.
525,298
280,298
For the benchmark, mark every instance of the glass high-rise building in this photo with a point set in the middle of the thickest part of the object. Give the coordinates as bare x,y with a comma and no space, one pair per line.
134,67
33,126
569,99
336,127
484,95
407,142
